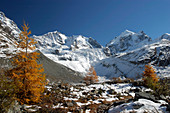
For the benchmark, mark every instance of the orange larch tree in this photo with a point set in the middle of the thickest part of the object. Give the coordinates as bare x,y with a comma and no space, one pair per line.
26,72
150,73
91,76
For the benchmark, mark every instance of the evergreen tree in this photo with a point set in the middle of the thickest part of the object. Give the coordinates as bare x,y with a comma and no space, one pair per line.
27,74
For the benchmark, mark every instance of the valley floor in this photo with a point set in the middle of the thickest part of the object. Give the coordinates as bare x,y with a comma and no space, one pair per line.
108,96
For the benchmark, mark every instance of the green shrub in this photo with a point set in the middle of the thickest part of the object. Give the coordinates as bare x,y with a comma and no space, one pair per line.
163,87
8,92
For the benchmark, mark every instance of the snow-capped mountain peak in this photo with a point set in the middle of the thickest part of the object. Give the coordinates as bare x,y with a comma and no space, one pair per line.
56,39
165,36
9,25
126,33
127,41
76,52
9,32
130,50
2,16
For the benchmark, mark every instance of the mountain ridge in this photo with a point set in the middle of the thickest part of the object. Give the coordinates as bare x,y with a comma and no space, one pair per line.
79,53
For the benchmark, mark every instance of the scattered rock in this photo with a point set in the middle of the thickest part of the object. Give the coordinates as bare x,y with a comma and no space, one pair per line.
162,97
138,83
100,91
70,104
102,108
145,95
135,90
84,93
111,91
119,102
137,106
16,108
93,92
168,107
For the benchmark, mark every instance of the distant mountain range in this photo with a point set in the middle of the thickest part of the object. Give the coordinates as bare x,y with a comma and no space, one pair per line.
125,55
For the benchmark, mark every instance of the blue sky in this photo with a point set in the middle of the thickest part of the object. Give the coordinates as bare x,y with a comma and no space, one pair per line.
99,19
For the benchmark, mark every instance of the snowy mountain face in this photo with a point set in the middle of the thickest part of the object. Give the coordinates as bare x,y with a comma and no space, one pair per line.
75,52
8,35
127,41
155,53
56,40
126,55
164,36
132,51
131,64
8,25
116,67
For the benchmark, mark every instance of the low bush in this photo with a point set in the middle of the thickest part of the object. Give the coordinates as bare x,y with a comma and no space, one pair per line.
8,91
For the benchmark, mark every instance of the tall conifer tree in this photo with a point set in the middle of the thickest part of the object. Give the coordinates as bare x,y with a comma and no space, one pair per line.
27,74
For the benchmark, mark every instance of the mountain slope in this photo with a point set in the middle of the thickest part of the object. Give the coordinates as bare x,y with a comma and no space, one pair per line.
127,41
125,55
54,71
57,72
116,67
156,53
9,25
8,36
76,52
136,51
131,64
9,33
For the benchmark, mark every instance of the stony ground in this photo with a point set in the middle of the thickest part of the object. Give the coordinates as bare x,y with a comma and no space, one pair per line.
109,96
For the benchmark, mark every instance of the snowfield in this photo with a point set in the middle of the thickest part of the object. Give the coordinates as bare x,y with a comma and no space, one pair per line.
79,60
146,106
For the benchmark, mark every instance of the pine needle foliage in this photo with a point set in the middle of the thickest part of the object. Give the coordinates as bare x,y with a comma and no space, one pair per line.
26,72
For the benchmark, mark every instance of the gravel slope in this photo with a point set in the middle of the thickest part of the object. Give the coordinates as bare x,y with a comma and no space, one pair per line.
57,72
